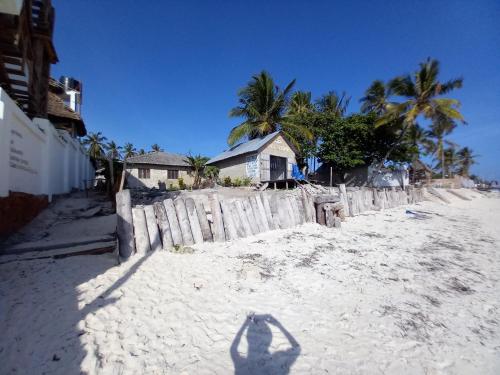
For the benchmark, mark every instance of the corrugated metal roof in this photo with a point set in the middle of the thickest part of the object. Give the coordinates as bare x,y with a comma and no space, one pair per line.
253,145
159,158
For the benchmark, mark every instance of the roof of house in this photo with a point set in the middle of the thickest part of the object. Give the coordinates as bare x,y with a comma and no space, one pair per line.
419,165
57,110
252,145
159,158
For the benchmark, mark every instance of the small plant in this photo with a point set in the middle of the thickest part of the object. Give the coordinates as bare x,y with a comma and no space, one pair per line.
227,181
246,181
237,182
181,183
172,187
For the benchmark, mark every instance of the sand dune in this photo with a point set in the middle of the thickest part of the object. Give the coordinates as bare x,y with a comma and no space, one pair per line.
391,292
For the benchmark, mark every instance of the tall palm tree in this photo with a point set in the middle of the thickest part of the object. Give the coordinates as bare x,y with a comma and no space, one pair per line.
466,159
142,152
95,143
156,147
419,140
300,103
263,106
333,103
113,150
422,97
449,164
376,98
441,127
128,150
198,164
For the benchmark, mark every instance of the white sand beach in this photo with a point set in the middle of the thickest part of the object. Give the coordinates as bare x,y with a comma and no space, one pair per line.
390,292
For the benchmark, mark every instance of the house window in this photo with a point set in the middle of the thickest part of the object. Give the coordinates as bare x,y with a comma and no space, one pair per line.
172,174
144,173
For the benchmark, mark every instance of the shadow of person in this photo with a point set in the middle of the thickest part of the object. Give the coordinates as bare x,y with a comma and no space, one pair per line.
259,359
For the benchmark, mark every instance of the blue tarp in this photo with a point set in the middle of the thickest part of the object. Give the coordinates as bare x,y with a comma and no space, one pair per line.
296,173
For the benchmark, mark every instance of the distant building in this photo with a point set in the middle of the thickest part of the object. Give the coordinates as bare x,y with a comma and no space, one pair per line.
158,169
265,159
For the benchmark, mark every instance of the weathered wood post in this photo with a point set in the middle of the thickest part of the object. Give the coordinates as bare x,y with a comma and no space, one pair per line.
267,210
229,226
125,229
175,229
141,235
182,216
166,235
243,217
193,221
217,221
247,207
204,225
154,233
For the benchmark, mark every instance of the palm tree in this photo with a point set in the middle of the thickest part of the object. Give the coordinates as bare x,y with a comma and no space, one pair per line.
334,104
156,147
300,103
128,150
419,140
441,127
422,98
113,150
466,159
141,152
376,98
263,105
95,143
449,164
198,164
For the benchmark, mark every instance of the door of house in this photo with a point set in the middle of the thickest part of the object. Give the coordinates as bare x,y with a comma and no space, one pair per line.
278,168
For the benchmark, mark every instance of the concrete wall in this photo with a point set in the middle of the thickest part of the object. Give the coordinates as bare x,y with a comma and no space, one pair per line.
158,173
237,167
35,157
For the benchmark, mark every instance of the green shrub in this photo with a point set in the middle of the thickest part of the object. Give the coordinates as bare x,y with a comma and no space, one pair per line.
246,181
180,182
227,181
237,182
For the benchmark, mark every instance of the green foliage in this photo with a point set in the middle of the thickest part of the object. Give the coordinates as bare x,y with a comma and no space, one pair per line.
113,150
128,150
156,147
198,164
354,141
237,182
181,183
211,172
227,181
95,144
246,181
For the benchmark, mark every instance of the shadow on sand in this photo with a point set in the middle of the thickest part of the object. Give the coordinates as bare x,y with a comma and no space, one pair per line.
259,359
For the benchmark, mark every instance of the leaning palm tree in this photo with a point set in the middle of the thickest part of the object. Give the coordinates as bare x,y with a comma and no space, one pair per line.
95,143
333,103
466,159
113,150
128,150
422,97
198,164
263,106
376,98
156,147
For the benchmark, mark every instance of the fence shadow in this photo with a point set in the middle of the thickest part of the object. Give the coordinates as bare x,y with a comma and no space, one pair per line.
259,359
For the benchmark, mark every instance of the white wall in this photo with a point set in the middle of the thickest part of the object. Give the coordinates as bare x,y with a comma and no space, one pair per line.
35,157
395,178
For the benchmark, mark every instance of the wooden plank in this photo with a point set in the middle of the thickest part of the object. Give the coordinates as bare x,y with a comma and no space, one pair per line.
286,218
262,212
193,221
295,209
153,232
237,219
243,217
260,216
217,221
301,208
247,207
344,199
307,207
273,205
161,217
141,235
175,229
182,216
125,229
203,220
267,209
320,213
227,218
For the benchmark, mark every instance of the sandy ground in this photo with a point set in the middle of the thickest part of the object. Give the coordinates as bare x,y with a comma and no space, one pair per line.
389,293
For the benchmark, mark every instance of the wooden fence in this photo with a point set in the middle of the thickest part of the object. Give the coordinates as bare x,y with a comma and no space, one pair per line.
186,221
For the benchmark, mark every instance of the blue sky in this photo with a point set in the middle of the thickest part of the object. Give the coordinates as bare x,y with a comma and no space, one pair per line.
167,72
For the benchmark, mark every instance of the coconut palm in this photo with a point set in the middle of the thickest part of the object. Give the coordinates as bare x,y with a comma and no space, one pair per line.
466,159
113,150
198,164
333,103
141,152
376,98
422,94
128,150
449,164
95,143
300,103
156,147
263,106
441,127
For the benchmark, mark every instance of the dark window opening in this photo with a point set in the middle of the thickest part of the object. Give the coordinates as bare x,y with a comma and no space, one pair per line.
172,174
144,173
